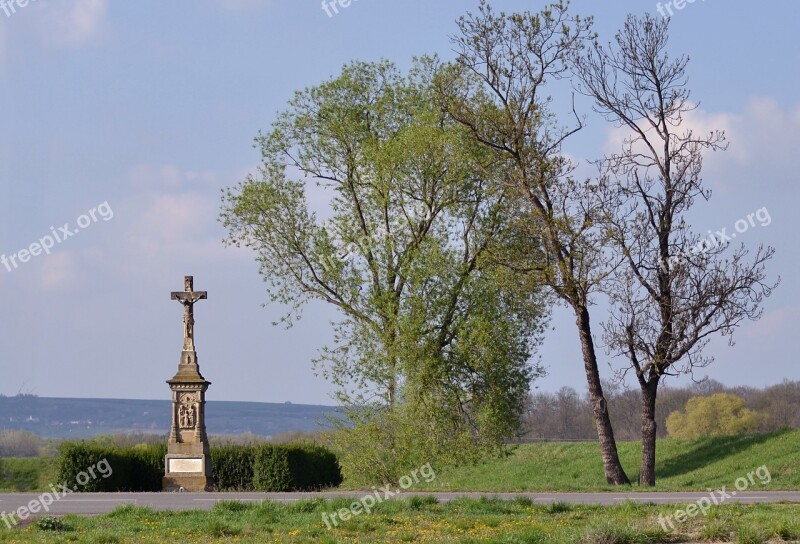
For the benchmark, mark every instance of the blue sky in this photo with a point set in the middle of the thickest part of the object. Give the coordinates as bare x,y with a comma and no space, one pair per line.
152,107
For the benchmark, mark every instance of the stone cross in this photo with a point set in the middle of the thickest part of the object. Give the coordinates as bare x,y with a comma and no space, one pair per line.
188,459
188,297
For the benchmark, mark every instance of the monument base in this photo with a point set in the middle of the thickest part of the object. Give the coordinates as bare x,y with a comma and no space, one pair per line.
187,473
192,483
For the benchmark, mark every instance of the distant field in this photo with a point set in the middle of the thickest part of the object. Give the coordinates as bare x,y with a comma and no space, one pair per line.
681,465
418,520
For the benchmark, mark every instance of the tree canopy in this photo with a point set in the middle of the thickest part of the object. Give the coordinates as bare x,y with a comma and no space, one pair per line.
435,337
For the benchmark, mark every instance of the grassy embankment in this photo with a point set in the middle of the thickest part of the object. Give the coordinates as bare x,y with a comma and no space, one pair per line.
681,466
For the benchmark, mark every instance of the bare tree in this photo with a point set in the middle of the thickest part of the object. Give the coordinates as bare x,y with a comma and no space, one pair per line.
511,58
675,289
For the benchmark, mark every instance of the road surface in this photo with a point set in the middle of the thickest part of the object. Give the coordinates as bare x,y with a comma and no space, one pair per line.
100,503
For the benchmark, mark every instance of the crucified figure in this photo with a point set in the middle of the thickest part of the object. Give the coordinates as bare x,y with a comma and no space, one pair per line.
188,297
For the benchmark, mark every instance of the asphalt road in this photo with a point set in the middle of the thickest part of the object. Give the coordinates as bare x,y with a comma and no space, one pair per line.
100,503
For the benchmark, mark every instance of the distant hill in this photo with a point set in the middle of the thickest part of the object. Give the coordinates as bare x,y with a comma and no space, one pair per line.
82,418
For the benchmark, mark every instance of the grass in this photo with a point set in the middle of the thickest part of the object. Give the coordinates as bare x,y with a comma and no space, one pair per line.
467,521
681,466
27,474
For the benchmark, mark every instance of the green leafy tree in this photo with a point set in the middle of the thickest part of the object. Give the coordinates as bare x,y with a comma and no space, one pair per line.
497,89
431,357
721,414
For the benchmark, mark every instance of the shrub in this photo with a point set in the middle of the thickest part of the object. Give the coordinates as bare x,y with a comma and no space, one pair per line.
52,524
232,467
295,467
139,468
313,467
146,466
75,458
271,469
718,415
15,443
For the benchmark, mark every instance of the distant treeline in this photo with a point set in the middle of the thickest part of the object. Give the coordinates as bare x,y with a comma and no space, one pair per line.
567,415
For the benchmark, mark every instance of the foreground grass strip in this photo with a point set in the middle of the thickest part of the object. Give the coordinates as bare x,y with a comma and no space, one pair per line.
463,521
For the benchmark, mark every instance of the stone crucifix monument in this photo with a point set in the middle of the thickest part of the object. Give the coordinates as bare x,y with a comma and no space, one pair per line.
188,464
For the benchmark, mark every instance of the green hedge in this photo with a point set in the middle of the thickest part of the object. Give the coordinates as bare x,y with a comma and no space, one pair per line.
313,467
147,466
95,468
262,467
232,467
275,467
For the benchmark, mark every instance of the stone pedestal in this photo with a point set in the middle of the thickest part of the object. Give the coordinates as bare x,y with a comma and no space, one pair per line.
187,466
188,463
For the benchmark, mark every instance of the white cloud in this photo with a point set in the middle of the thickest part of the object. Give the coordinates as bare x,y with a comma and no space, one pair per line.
174,222
70,23
764,133
765,130
699,121
58,271
173,217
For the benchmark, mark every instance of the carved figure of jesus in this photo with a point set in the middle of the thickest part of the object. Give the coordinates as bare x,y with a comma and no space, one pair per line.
188,297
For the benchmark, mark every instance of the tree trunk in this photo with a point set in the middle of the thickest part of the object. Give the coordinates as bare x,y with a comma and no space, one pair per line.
647,473
615,475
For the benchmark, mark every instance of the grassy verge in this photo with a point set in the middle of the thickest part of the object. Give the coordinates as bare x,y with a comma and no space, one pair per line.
27,474
418,520
681,466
